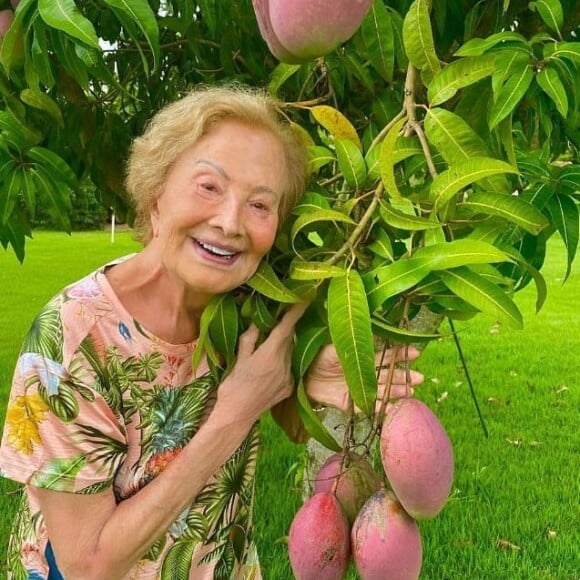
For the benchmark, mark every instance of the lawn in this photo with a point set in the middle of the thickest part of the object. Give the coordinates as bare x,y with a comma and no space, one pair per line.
514,512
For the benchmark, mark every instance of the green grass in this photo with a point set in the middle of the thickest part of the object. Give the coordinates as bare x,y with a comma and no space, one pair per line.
515,486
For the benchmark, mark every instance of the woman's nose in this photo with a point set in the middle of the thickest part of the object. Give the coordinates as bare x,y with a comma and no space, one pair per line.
229,218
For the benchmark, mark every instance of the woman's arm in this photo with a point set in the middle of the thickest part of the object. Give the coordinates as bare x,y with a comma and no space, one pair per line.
93,537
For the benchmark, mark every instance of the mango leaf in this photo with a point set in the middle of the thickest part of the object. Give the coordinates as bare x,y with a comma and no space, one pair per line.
29,191
565,216
308,342
260,315
267,283
59,474
302,270
387,159
482,294
406,147
64,15
43,102
223,328
393,279
509,207
11,183
359,70
418,37
479,46
459,253
335,123
569,178
310,202
551,13
140,12
20,135
451,181
56,199
280,75
349,323
351,163
54,164
11,47
457,75
312,423
549,80
507,63
400,335
321,215
568,50
398,219
319,157
204,345
509,96
377,34
381,245
505,134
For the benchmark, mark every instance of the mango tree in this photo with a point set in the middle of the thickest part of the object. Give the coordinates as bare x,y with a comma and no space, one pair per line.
444,144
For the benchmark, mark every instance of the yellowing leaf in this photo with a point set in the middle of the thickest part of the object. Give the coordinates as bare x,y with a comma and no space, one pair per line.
336,123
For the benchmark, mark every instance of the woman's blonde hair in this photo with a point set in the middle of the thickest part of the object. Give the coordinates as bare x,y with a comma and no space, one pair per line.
182,123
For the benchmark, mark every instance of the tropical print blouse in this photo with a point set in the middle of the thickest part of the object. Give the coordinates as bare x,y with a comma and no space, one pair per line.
98,401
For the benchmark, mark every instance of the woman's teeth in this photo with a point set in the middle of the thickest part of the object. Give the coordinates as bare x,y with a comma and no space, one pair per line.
217,251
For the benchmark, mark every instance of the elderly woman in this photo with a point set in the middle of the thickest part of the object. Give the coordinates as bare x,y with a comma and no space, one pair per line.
135,465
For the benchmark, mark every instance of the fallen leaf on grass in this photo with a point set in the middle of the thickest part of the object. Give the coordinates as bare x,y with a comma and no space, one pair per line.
435,380
562,389
442,396
551,534
513,374
516,442
493,401
505,545
534,443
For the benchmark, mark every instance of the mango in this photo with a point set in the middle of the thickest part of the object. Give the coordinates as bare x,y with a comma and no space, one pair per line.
6,18
319,540
301,30
417,457
353,485
385,540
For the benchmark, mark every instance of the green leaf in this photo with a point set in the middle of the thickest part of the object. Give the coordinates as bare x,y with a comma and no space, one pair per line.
457,75
381,245
507,63
223,328
451,181
566,218
393,279
377,34
479,46
400,335
321,215
261,316
406,147
509,96
387,159
177,561
398,219
280,75
549,80
10,185
418,37
203,345
19,134
140,12
349,323
551,13
302,270
509,207
59,474
446,255
568,50
312,423
569,178
482,294
267,283
351,163
54,164
56,198
64,15
319,157
308,343
29,191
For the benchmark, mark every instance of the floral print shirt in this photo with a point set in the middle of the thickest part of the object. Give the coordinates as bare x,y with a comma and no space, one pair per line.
97,402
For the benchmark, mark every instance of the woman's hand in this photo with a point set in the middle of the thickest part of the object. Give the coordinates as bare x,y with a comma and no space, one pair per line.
325,383
262,375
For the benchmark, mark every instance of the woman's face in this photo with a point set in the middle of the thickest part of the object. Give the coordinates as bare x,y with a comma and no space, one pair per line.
218,214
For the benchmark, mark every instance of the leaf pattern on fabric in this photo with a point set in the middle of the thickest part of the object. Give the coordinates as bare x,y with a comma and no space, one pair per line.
45,334
23,415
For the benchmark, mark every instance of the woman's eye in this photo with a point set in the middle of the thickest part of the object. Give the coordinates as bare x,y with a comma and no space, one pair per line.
261,206
209,187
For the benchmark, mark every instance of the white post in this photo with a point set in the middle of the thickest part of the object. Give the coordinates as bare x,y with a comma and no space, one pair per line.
113,228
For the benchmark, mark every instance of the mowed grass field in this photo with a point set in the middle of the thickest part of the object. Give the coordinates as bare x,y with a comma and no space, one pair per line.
514,512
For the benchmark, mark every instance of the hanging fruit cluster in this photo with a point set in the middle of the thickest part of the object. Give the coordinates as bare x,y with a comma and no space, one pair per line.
354,515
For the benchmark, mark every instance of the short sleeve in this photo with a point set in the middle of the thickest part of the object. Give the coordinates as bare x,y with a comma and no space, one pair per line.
59,432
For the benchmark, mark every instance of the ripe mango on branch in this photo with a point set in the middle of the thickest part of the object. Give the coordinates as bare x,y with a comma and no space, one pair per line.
297,31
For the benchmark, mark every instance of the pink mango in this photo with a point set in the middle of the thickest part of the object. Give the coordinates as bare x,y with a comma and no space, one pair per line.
301,30
417,457
386,543
6,18
319,540
354,485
